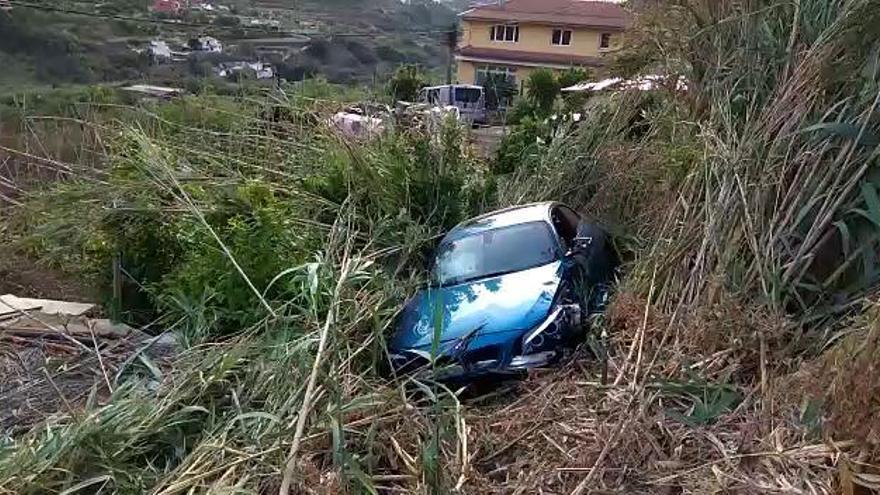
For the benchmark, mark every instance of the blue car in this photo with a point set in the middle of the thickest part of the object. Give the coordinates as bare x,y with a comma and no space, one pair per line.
511,290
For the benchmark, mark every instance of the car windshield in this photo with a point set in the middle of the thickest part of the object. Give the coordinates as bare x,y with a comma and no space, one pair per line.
468,95
495,252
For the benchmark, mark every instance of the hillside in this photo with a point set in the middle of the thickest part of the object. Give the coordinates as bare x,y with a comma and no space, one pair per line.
71,42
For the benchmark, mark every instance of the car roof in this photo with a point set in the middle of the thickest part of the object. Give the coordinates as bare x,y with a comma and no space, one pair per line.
466,86
515,215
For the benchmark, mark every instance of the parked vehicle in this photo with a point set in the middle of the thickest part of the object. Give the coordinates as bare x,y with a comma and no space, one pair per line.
511,290
470,100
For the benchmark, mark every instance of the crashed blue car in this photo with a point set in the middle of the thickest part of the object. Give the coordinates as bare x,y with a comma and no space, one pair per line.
511,290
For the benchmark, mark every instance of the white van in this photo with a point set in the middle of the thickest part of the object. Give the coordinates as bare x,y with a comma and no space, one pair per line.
470,100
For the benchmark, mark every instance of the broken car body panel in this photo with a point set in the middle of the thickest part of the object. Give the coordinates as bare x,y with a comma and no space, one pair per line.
509,303
504,296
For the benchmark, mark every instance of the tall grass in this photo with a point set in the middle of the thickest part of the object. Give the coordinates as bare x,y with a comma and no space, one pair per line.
280,253
783,200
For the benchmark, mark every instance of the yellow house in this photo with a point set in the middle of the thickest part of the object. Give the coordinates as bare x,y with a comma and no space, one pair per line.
511,38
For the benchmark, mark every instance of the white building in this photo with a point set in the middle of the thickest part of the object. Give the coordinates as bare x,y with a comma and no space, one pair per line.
159,52
206,44
260,70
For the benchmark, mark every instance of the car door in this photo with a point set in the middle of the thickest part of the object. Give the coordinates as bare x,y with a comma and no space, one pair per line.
565,224
590,250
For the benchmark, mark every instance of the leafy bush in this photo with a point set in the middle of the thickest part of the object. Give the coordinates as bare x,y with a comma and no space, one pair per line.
414,177
258,233
406,83
521,109
228,21
572,76
542,90
573,101
521,146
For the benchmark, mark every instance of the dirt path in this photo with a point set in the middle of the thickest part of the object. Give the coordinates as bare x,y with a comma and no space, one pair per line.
25,278
488,139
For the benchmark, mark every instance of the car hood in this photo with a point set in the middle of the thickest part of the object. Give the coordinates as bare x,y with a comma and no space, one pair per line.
515,302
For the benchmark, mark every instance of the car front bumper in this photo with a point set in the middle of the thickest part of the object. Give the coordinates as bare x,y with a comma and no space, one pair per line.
457,370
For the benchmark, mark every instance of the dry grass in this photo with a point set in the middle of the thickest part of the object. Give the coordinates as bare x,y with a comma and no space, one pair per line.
548,438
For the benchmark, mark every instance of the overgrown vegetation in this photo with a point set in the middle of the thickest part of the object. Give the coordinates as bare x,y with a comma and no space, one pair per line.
406,83
741,341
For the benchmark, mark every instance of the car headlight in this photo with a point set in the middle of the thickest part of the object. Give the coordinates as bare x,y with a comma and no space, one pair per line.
409,360
549,334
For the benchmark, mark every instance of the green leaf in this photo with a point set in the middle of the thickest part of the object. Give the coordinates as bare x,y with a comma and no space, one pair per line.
338,440
365,482
89,482
281,275
150,365
845,236
257,415
869,267
844,130
869,193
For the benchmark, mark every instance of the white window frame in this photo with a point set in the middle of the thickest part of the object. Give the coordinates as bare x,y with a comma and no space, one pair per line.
503,29
488,69
602,38
562,32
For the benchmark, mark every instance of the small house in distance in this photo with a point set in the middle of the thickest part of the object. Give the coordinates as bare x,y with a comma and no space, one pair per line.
510,39
206,44
166,6
159,52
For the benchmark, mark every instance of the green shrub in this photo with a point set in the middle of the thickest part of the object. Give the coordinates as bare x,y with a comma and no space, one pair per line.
521,109
500,90
542,90
259,232
573,101
430,180
406,83
521,146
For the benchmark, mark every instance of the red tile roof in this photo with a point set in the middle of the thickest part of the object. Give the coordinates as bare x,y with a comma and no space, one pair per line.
167,6
584,13
516,56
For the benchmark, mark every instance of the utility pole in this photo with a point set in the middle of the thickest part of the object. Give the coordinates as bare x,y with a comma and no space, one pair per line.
451,43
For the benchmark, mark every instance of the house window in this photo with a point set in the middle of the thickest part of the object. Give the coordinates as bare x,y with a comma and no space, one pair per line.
561,37
605,40
505,32
485,73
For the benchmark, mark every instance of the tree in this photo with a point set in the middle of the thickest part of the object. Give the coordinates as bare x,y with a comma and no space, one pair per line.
542,89
573,101
500,90
406,83
572,76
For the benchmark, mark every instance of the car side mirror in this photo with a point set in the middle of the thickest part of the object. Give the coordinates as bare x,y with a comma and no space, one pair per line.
580,245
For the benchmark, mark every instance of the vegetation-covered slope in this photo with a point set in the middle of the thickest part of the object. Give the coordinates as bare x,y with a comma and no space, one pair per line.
65,42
